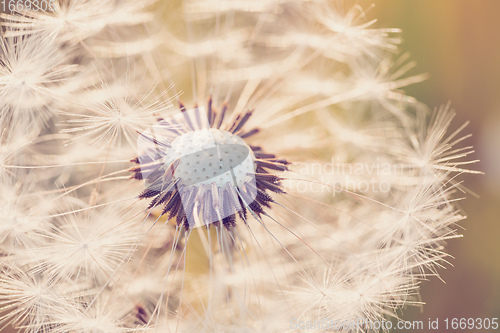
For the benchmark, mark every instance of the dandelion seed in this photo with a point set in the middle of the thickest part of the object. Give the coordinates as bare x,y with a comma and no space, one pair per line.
432,150
70,21
31,300
116,111
88,316
19,228
87,246
32,79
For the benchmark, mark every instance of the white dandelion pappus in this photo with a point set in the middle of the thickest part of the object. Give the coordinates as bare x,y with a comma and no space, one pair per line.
30,299
407,233
22,221
89,315
337,31
354,36
361,287
431,148
33,74
70,21
116,109
89,245
11,148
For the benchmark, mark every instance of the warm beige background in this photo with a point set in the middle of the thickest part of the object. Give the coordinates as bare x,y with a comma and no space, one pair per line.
458,43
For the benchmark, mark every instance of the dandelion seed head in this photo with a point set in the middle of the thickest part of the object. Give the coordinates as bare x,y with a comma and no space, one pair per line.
204,166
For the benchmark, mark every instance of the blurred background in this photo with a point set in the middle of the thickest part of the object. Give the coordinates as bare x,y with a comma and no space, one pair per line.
458,43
